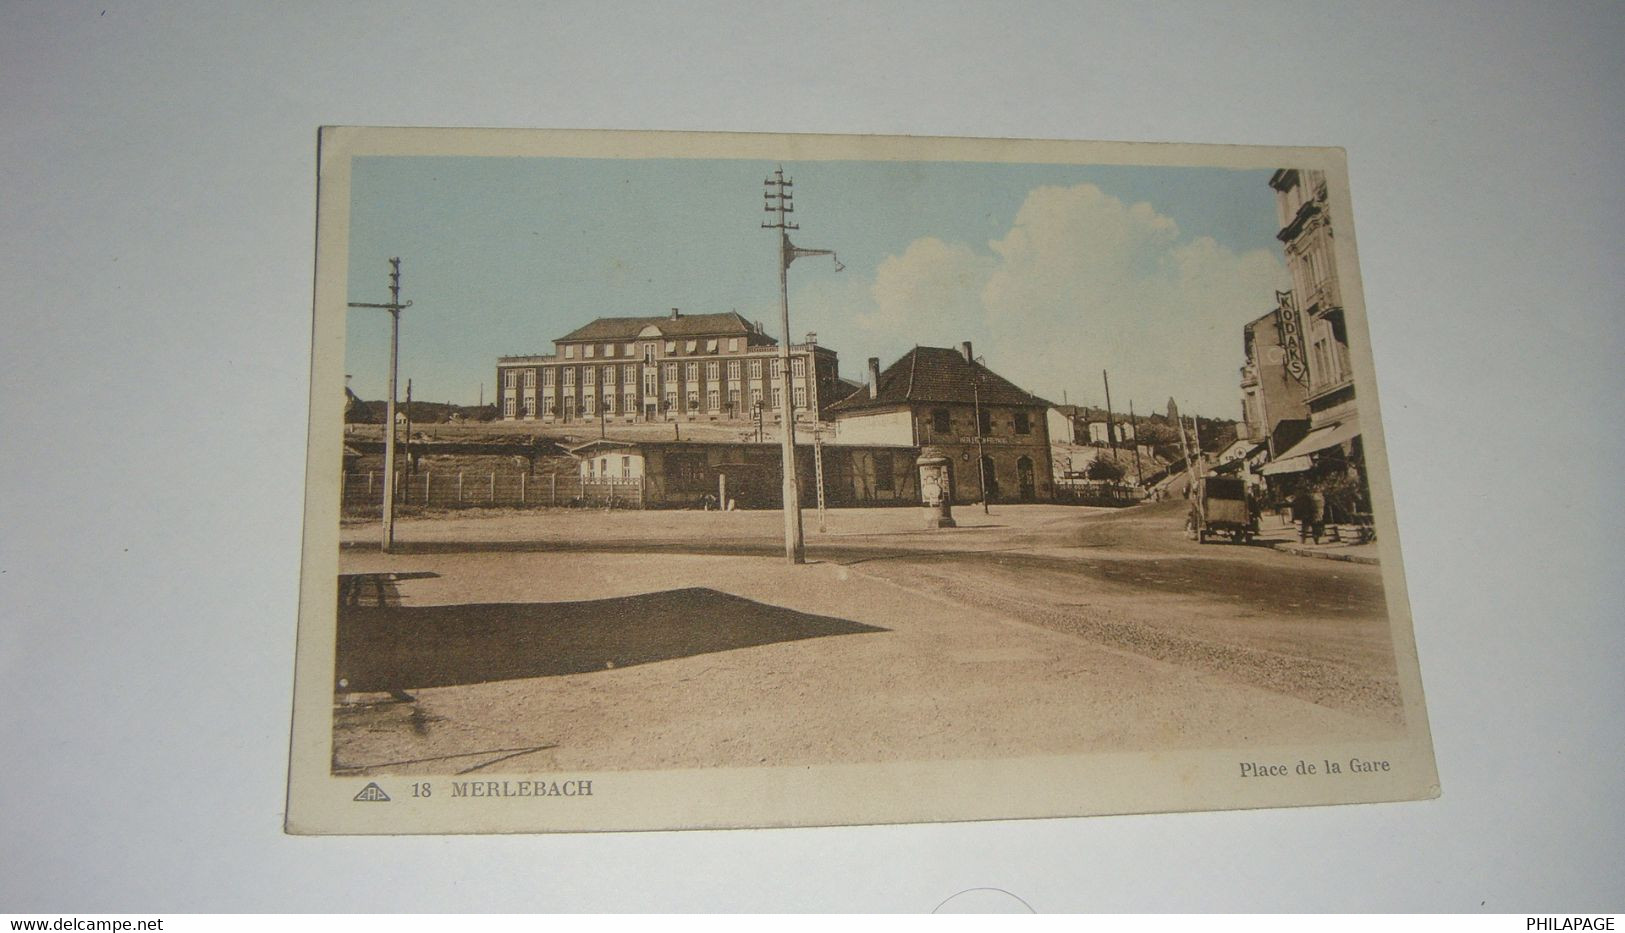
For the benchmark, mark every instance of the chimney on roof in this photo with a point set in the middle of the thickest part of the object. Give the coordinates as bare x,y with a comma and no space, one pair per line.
675,314
759,329
874,377
964,350
812,338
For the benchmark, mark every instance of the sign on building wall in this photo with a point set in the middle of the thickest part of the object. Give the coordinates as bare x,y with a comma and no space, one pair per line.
1297,365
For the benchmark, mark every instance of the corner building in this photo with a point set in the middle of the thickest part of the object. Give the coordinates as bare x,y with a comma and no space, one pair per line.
1333,445
1306,239
943,398
676,367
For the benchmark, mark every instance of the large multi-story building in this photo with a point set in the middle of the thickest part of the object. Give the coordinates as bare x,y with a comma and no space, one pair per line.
992,432
672,367
1306,234
1313,333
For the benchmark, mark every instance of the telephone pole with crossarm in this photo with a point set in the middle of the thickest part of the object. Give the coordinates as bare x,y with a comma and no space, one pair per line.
778,203
394,307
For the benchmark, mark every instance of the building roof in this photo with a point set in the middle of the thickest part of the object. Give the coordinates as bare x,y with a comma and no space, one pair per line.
937,374
845,386
592,447
727,324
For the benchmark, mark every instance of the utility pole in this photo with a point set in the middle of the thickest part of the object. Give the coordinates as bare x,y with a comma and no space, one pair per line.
818,474
395,307
409,440
1197,461
1111,427
778,202
1134,442
981,459
1196,434
1184,445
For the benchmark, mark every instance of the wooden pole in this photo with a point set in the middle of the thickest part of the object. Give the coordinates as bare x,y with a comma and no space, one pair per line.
981,459
818,471
793,544
409,469
778,203
1111,426
1185,448
395,307
1134,442
1196,435
389,419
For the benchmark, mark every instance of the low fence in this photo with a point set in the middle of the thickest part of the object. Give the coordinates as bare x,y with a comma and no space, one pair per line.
477,489
1111,495
613,493
363,492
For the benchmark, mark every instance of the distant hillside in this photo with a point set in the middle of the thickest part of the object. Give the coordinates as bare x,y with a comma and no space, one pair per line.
1156,431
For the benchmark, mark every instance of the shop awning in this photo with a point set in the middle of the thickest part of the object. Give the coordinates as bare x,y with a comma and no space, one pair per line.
1294,465
1319,439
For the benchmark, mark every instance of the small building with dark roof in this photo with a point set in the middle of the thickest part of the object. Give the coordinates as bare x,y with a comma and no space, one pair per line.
676,367
989,428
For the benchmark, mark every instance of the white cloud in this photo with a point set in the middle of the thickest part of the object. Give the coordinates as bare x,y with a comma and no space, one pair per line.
930,292
1080,282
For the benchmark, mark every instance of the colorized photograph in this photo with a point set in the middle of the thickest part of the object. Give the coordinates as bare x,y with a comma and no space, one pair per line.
694,480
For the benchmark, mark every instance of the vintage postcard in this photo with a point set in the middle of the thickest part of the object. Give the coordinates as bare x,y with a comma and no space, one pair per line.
670,480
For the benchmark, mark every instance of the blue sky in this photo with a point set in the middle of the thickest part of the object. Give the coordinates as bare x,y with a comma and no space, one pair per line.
1055,272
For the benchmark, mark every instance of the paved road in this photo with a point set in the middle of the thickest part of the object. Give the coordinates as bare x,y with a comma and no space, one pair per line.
1032,630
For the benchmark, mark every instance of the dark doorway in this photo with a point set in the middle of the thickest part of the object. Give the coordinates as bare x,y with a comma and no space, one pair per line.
990,480
1024,479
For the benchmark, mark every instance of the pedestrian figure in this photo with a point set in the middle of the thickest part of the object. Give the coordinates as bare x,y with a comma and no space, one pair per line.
1303,512
1317,512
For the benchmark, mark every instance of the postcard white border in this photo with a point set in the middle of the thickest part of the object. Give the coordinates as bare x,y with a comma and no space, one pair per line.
1079,785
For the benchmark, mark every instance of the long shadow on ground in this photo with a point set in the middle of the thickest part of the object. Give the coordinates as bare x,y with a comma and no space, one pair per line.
387,648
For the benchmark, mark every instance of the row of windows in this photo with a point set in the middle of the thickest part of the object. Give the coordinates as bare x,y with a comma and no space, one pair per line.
603,466
608,350
942,421
691,373
713,402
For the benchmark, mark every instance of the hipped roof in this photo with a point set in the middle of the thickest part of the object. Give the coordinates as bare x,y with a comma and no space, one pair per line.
726,324
938,374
